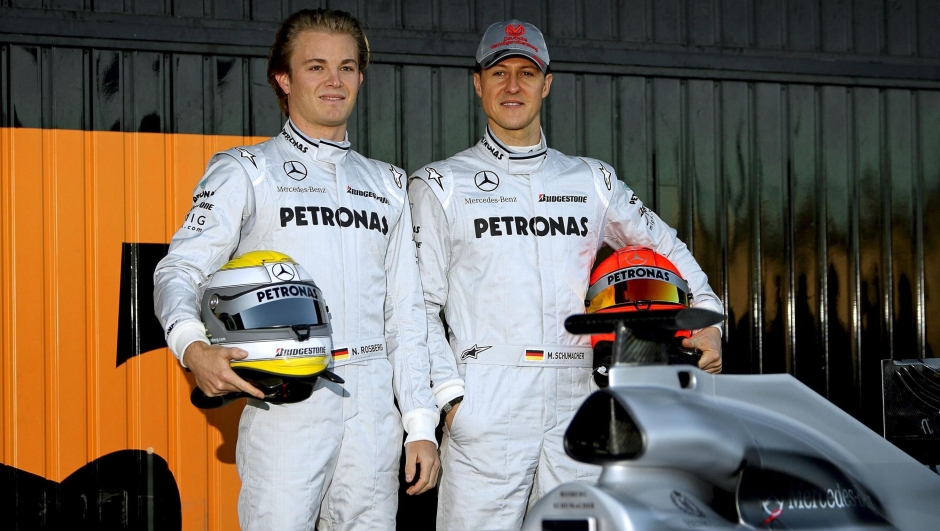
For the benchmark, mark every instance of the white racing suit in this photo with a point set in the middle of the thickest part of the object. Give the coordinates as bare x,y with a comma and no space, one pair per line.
345,219
506,242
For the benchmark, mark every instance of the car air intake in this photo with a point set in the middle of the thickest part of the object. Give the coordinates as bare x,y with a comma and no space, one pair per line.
603,431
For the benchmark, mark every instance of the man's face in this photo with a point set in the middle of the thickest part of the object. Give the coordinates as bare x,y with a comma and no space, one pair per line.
324,80
512,92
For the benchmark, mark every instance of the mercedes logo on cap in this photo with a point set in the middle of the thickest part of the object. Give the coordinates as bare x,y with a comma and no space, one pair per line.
295,170
283,272
486,181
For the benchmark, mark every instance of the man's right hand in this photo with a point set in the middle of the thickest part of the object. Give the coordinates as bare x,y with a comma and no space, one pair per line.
214,375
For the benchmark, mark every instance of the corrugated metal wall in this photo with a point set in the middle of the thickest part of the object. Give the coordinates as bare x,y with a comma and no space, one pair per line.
794,144
69,201
870,27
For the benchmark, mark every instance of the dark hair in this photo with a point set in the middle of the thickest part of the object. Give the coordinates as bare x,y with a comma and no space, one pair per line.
325,20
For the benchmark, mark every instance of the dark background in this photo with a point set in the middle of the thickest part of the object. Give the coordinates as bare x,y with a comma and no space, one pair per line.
794,144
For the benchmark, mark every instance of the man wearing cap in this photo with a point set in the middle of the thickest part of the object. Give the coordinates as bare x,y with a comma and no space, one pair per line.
507,232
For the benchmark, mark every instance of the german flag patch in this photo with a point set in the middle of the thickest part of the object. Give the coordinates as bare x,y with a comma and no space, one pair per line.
341,354
534,355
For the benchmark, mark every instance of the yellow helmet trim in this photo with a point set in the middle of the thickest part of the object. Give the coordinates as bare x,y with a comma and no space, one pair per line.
255,259
604,299
299,367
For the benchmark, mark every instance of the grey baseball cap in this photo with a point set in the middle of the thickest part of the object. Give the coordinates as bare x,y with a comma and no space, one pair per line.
512,38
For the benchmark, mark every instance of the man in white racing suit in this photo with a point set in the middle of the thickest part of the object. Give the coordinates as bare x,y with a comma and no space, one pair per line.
345,218
506,239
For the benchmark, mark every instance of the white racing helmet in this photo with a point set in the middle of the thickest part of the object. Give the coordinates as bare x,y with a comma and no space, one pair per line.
266,304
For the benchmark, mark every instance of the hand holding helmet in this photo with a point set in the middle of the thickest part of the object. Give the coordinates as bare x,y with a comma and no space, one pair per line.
637,279
707,342
210,364
269,331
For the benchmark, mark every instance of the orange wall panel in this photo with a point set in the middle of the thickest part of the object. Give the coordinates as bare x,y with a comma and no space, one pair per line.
89,258
69,200
147,375
28,262
6,299
66,329
108,200
189,163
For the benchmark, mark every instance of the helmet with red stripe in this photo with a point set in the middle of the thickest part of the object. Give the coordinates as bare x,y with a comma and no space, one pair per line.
634,279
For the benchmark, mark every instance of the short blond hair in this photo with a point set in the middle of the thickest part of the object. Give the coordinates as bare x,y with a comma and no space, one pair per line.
326,20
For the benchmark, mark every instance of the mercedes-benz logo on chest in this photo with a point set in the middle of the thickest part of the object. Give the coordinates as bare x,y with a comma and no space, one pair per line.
486,180
295,170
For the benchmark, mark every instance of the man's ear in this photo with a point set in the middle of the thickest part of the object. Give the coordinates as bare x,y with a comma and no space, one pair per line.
547,87
476,84
283,81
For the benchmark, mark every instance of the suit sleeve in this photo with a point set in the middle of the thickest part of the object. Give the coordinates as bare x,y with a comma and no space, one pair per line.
628,222
222,205
406,334
432,237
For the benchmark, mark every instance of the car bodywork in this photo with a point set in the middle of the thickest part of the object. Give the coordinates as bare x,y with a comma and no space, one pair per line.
684,449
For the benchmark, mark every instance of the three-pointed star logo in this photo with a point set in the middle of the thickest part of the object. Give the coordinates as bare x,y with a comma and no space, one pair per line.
435,176
486,181
397,175
283,272
245,154
773,508
636,259
295,170
606,176
472,352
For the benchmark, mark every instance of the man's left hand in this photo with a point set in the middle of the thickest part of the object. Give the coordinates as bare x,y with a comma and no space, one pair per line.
422,453
708,341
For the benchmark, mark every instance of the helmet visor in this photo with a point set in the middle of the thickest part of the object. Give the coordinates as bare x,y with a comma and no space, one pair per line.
287,312
639,292
281,305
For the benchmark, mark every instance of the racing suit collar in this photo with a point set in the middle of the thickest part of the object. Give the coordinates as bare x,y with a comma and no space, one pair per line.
323,150
491,149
